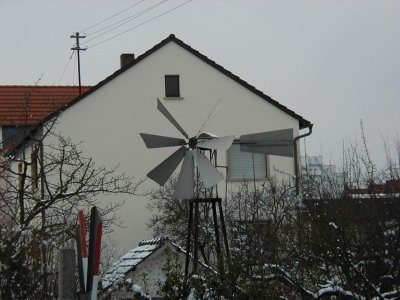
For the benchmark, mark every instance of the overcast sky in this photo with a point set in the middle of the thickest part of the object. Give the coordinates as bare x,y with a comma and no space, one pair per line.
333,62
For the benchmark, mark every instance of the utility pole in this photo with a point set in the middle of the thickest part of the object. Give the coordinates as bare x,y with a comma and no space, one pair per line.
78,49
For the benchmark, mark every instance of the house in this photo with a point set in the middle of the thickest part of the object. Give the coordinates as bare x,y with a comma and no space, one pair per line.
363,222
144,266
23,106
107,121
320,180
389,189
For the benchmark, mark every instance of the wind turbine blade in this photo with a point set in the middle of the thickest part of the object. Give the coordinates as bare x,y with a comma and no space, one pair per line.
211,116
278,142
284,135
184,188
208,173
166,113
220,143
158,141
164,170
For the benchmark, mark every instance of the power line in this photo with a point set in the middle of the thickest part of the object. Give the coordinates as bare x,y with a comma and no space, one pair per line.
145,22
118,13
129,18
123,21
73,73
65,68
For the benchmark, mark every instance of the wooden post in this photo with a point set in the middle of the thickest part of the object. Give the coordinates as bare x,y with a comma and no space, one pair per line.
78,49
217,239
196,237
66,274
223,227
195,218
189,236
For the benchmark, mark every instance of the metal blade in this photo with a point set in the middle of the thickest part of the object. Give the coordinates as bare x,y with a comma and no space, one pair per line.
166,113
278,142
277,150
220,143
164,170
184,188
208,173
211,116
158,141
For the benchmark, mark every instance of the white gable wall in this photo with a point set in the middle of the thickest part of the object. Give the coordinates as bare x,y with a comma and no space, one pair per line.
152,269
150,273
109,121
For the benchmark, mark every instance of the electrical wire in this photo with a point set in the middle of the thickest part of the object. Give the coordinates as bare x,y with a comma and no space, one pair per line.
134,16
117,25
65,68
123,21
128,18
141,24
73,73
118,13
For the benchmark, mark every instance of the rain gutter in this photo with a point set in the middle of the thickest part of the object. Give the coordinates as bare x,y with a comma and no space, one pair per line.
296,163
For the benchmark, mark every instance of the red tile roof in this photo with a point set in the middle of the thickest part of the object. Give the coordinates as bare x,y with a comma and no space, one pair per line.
27,105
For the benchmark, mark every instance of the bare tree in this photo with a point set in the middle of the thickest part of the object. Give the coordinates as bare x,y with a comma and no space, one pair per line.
351,234
43,185
339,240
171,217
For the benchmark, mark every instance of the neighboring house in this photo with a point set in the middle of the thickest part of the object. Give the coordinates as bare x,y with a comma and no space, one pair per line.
23,106
320,180
143,266
313,166
364,220
109,117
388,190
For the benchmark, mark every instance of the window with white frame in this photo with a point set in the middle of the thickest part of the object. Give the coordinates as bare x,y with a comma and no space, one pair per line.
246,165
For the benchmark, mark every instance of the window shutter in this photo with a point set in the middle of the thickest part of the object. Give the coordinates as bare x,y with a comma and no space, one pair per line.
245,165
34,168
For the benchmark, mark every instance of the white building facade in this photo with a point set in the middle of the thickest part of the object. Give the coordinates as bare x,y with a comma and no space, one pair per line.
108,119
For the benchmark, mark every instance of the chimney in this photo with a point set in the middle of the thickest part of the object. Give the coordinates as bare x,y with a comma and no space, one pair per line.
126,59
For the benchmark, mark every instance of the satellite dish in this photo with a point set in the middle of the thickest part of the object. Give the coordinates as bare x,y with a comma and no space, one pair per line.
278,142
191,154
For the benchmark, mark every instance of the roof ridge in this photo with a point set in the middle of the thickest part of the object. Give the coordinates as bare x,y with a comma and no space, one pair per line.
42,86
155,241
303,123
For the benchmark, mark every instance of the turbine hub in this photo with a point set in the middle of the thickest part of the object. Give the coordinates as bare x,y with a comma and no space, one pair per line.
192,143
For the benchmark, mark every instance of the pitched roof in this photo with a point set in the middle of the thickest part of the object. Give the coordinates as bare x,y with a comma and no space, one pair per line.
128,262
28,105
303,123
132,259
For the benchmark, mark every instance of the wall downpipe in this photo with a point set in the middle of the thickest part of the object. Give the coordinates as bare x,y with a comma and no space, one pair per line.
296,158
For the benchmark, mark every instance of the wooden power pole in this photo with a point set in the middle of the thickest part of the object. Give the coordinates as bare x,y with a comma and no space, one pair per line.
78,49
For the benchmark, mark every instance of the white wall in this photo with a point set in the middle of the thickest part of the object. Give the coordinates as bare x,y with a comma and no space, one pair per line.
110,119
152,267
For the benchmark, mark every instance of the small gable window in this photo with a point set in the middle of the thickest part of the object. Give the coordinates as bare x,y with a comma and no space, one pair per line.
172,86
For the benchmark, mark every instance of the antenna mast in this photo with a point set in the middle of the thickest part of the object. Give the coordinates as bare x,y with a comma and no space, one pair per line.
78,49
